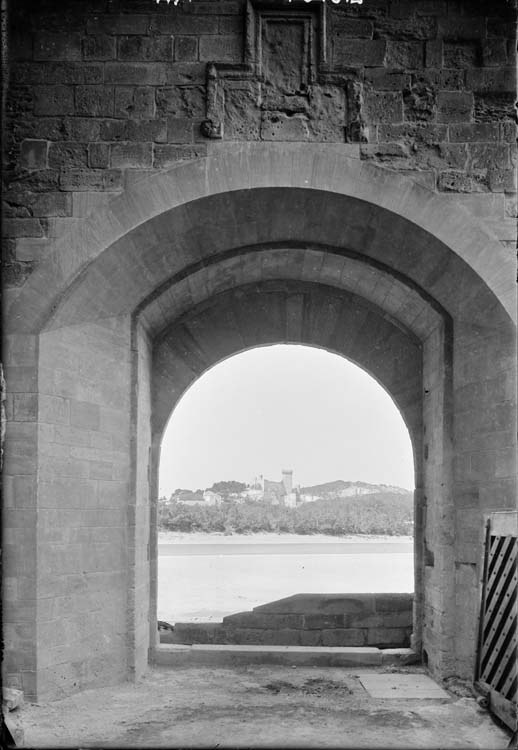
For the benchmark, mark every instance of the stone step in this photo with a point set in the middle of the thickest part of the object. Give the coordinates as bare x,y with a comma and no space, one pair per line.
339,604
172,655
254,619
274,635
309,620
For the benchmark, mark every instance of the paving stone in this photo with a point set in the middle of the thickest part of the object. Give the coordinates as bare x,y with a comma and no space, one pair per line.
401,686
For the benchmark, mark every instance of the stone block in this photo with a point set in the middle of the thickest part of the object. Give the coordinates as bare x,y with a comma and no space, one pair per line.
491,80
505,463
320,604
352,27
184,25
465,54
33,154
118,23
20,350
167,156
502,180
413,133
454,106
181,101
187,74
100,470
147,130
81,129
451,79
454,155
310,638
344,637
54,410
389,637
404,55
223,7
119,73
52,204
484,131
353,52
455,182
282,637
91,179
94,101
179,130
12,698
265,621
493,106
221,48
185,49
277,126
145,48
319,622
134,102
231,24
99,47
488,155
22,228
98,155
25,407
72,73
21,379
434,54
67,155
462,27
497,27
84,415
49,46
382,106
419,101
114,130
384,79
131,155
53,100
393,602
494,52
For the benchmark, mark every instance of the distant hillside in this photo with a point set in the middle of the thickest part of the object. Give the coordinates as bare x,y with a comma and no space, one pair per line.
372,513
334,489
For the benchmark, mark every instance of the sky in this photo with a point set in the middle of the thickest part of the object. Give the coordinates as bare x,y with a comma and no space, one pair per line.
285,407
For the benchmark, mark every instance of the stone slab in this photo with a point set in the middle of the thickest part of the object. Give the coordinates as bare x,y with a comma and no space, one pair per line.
397,686
221,655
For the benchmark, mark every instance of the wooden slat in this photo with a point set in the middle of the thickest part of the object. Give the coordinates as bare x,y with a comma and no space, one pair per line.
505,558
502,589
506,688
501,654
497,656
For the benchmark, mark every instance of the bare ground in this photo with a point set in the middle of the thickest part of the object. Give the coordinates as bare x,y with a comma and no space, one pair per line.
257,706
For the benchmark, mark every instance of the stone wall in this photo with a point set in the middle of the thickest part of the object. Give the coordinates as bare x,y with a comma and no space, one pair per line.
357,620
102,91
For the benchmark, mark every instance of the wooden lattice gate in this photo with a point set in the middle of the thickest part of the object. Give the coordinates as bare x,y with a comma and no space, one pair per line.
496,666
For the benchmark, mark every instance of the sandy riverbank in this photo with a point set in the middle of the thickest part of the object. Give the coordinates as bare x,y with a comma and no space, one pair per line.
173,537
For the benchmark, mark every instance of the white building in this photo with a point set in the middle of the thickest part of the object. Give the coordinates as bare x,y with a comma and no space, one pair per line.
212,498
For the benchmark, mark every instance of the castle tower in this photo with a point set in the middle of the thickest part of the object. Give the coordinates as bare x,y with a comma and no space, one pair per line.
287,480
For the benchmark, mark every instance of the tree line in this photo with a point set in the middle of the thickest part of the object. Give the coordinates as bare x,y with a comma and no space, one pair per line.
384,513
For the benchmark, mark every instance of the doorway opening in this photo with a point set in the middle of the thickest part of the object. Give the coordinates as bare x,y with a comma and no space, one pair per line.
284,469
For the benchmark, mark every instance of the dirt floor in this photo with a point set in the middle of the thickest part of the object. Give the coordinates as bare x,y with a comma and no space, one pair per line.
259,706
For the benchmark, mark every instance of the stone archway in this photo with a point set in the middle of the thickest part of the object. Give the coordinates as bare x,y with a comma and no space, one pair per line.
254,244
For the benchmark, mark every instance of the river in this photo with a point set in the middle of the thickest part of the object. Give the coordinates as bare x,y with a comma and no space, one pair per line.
202,578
